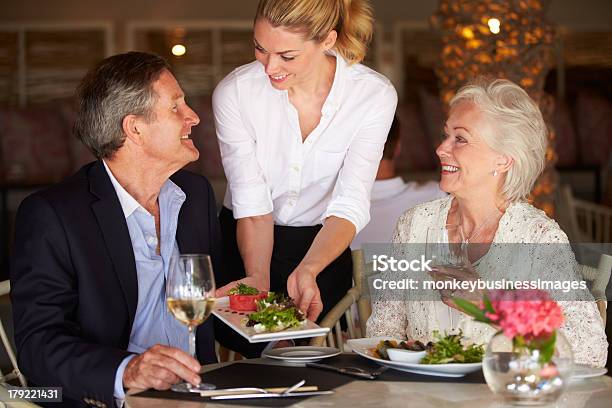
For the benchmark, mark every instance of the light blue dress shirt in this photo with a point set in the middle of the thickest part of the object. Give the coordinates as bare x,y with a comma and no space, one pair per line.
153,323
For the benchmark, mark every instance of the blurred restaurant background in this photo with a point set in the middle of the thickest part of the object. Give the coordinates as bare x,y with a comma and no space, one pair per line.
560,51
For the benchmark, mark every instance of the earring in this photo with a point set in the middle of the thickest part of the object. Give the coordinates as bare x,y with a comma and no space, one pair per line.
495,173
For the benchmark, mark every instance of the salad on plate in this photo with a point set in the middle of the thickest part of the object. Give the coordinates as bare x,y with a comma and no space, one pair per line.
274,313
264,316
447,349
445,356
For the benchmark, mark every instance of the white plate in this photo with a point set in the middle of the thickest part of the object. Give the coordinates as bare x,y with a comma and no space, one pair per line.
581,372
363,346
236,320
301,354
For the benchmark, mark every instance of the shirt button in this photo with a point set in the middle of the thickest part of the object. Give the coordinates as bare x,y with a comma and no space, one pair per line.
151,240
296,168
291,203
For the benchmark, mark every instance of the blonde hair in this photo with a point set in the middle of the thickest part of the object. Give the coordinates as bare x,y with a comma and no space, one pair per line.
520,130
352,19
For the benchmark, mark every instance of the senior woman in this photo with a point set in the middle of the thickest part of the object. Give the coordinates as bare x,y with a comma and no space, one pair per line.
492,153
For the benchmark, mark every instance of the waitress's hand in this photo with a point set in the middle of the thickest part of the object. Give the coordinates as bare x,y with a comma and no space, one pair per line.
302,287
262,283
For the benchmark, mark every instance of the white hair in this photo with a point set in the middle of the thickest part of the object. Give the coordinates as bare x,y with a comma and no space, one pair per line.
520,131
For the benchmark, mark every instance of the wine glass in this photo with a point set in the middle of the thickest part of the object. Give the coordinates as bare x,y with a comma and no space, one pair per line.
447,248
190,291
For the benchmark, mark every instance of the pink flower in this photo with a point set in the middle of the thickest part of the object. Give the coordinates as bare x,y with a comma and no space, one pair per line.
493,316
528,313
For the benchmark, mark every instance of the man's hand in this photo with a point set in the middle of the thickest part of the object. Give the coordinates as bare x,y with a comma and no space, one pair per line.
159,367
302,287
262,283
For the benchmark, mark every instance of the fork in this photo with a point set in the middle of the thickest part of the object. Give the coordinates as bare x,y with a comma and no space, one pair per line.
355,371
246,390
374,373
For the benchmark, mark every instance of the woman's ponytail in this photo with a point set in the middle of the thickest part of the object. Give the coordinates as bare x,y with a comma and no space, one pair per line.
355,30
352,19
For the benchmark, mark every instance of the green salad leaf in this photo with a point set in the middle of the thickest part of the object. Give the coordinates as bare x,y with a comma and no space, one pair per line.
448,349
243,289
274,313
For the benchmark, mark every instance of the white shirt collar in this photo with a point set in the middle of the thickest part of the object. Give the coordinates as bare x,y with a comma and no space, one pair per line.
128,203
332,103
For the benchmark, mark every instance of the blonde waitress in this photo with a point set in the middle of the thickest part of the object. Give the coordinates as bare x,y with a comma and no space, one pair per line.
301,132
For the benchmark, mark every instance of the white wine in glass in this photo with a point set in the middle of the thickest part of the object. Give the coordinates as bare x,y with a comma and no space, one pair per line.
191,312
190,291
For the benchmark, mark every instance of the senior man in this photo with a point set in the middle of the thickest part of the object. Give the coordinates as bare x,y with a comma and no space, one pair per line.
92,252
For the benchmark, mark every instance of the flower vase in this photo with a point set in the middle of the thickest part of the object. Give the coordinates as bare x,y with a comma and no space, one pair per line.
524,373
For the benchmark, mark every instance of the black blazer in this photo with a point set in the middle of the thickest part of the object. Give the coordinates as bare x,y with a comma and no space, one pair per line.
74,285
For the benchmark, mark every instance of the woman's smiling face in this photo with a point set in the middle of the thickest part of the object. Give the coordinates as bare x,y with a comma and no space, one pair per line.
467,161
287,57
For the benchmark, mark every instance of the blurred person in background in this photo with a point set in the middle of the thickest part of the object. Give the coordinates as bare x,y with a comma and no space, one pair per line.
391,195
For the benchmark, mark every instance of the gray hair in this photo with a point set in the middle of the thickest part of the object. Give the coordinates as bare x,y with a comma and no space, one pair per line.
520,130
118,86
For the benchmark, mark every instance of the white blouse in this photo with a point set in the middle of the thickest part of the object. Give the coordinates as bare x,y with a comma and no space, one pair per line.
268,167
521,223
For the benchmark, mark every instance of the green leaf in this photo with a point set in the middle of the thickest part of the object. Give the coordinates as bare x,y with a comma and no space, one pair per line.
546,347
487,304
276,312
471,309
449,349
518,342
243,289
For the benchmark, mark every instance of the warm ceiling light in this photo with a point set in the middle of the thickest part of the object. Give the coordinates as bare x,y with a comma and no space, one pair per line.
178,50
467,32
494,25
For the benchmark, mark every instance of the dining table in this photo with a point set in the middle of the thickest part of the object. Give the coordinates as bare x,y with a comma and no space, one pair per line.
393,389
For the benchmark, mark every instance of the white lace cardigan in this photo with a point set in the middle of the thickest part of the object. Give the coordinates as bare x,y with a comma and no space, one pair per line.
521,223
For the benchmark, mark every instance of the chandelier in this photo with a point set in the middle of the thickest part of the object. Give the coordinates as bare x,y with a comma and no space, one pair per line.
504,39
